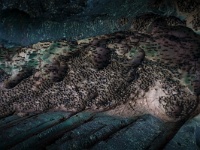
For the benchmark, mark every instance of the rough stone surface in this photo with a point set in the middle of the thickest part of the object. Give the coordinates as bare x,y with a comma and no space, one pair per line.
84,130
25,23
187,137
153,68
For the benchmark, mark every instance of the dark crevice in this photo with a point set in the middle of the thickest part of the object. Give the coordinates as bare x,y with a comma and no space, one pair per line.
110,134
18,141
14,13
48,141
13,123
166,135
12,82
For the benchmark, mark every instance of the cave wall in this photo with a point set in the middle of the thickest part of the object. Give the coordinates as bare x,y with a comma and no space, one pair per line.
24,22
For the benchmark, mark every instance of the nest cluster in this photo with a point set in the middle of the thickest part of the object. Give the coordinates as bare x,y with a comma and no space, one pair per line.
102,72
187,12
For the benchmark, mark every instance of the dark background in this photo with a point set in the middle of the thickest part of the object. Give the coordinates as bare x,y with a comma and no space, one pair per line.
24,22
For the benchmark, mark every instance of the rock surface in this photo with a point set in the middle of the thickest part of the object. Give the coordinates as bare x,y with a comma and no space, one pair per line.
84,130
187,137
103,87
25,23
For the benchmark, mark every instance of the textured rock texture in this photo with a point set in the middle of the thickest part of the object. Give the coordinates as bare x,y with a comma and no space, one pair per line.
84,130
131,89
187,137
24,22
186,10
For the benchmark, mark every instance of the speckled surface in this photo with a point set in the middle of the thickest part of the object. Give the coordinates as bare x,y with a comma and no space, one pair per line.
149,66
103,72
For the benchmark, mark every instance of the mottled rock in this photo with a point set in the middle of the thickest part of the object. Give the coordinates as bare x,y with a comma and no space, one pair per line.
83,130
187,136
